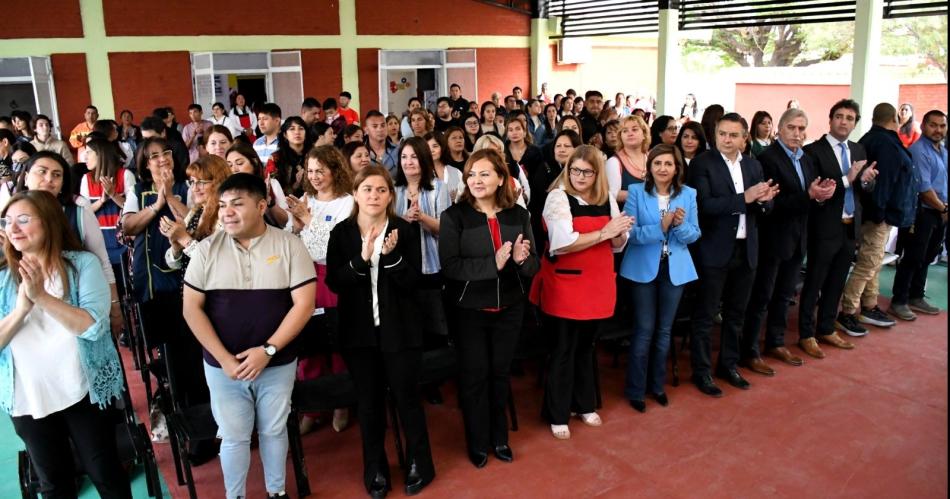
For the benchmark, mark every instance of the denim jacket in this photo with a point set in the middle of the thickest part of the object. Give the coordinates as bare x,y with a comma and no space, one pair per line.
97,354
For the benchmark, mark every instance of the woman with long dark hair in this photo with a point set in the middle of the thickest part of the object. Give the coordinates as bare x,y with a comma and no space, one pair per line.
659,265
691,141
663,131
242,158
59,369
487,114
454,153
287,163
473,130
373,265
761,132
909,130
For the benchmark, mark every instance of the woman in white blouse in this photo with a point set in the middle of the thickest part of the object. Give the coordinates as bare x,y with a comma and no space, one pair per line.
449,175
576,287
326,202
220,116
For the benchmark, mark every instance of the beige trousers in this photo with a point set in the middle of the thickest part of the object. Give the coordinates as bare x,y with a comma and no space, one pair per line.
862,286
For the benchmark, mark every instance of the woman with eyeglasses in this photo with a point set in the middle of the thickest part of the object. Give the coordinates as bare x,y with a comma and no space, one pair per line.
47,171
576,288
59,370
327,201
473,130
158,194
663,131
658,265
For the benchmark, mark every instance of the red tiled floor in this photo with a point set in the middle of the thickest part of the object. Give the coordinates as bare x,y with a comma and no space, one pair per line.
866,423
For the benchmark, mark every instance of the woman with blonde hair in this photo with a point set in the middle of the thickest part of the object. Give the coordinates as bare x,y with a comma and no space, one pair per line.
204,176
576,287
629,163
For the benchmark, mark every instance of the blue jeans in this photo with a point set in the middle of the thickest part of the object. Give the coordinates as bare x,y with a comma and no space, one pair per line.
236,406
654,309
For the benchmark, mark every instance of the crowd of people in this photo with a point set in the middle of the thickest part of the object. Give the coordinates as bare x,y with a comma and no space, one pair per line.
268,248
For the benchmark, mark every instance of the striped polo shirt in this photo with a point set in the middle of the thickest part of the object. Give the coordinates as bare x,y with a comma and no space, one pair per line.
248,291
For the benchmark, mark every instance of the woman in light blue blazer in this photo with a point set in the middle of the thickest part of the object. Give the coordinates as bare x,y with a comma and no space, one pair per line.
659,266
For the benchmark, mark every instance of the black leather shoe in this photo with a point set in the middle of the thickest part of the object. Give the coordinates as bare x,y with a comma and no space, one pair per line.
503,453
380,486
661,399
414,481
707,386
638,405
735,379
479,459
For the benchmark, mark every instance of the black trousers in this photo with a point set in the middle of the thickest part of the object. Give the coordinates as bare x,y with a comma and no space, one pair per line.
486,343
772,290
825,278
921,244
92,432
570,379
730,286
373,371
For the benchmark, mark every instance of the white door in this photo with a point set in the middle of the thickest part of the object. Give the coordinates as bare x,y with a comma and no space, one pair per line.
285,81
202,68
44,92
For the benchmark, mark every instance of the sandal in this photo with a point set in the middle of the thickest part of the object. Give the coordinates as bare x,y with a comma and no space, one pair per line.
591,419
560,431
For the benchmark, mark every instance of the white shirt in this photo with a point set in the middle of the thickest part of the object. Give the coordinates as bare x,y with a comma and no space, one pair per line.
47,375
844,178
374,271
735,171
229,122
452,178
560,222
614,175
664,205
324,215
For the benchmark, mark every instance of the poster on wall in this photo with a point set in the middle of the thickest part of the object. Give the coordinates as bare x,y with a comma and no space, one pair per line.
401,86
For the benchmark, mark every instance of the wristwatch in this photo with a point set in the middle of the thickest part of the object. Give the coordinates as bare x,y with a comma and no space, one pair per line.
270,350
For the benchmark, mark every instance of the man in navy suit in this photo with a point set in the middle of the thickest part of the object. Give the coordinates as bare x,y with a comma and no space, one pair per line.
731,193
784,237
834,227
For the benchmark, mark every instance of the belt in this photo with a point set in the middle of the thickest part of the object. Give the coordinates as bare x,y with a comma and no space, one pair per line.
847,221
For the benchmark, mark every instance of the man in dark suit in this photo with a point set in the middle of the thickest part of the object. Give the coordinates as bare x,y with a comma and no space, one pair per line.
732,193
784,236
833,229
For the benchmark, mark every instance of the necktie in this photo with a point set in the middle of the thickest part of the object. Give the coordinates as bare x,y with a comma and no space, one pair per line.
845,168
798,170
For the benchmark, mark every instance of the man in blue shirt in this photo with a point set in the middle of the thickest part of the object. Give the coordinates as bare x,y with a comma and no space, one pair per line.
922,241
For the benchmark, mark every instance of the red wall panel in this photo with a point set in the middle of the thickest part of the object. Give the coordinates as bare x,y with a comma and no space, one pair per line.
924,98
221,17
815,100
425,17
72,88
501,69
322,73
58,19
367,61
142,81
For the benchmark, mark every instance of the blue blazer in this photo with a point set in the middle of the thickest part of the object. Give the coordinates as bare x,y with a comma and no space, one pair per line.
641,261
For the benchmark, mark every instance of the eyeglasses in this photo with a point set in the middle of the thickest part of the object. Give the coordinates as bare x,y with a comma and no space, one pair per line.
156,155
582,172
20,220
193,182
672,129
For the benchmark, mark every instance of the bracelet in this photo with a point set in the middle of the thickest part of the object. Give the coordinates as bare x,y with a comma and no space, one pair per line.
115,302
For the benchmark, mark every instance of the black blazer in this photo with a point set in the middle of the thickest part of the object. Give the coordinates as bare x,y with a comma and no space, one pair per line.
348,275
720,207
467,255
824,220
785,228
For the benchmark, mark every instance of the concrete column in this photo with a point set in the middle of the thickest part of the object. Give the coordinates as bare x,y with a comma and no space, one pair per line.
668,58
865,69
97,57
348,53
540,55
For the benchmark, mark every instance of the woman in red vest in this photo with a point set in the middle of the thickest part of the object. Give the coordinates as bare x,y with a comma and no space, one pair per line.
576,286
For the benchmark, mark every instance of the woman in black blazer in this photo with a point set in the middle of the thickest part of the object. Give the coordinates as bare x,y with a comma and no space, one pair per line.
374,259
487,253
